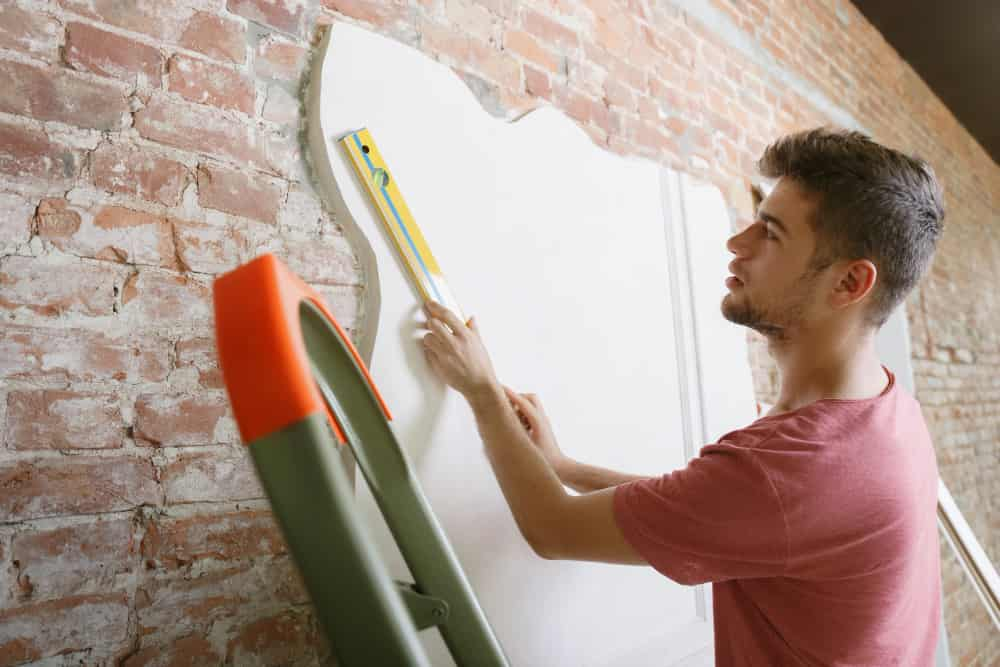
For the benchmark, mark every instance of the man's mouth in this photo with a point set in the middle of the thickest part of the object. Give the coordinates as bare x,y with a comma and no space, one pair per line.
733,282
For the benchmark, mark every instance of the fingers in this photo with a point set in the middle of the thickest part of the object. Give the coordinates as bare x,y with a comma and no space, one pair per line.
535,402
511,394
438,327
523,407
432,360
436,310
522,400
430,342
519,409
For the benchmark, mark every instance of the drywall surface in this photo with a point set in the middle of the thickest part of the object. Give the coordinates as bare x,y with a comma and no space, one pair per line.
576,264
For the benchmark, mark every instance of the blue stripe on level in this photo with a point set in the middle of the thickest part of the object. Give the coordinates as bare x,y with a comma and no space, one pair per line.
399,222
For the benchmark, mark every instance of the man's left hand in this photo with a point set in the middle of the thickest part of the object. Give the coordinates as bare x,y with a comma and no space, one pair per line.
456,353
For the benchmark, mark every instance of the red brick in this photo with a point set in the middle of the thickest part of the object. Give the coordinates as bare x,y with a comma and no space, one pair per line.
642,57
548,31
671,98
522,44
690,80
586,77
471,53
162,20
621,146
779,52
619,95
110,233
650,136
238,193
650,110
174,605
170,420
57,286
615,31
626,73
108,54
45,629
176,542
16,214
61,95
278,58
475,20
215,85
201,354
219,475
52,419
157,298
585,109
56,220
29,154
537,82
191,650
136,171
376,12
79,355
201,130
673,43
503,8
72,560
205,248
283,15
329,262
32,32
215,37
75,485
495,65
288,638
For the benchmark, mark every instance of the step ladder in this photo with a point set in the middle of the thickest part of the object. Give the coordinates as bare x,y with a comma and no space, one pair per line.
299,393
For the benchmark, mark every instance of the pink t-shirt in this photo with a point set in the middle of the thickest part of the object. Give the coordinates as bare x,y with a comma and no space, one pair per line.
817,528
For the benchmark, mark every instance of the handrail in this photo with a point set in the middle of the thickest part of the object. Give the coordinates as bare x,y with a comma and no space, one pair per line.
970,553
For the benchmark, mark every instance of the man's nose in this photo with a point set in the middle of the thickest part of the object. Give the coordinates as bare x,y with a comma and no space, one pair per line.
737,243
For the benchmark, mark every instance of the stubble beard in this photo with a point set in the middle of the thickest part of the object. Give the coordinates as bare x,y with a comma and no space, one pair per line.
772,322
748,315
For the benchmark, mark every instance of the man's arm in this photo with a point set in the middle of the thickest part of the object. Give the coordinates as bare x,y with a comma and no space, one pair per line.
555,524
585,478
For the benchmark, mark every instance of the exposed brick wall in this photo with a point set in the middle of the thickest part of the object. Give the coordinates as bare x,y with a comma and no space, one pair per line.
129,507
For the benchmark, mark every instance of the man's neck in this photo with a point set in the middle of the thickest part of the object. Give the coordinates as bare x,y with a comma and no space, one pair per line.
814,366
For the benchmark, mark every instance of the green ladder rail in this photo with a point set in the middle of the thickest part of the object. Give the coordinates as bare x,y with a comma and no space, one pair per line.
300,391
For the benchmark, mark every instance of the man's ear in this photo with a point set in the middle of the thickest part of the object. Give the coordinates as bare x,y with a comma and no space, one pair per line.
857,279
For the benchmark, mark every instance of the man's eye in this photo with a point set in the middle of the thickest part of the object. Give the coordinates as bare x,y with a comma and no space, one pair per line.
769,234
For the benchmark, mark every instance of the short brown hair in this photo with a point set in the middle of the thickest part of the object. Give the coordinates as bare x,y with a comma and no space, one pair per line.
875,203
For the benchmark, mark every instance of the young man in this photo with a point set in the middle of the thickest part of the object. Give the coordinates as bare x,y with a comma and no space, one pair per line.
817,522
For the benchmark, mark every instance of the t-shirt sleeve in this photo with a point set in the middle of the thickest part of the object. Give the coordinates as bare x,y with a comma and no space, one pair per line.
719,518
